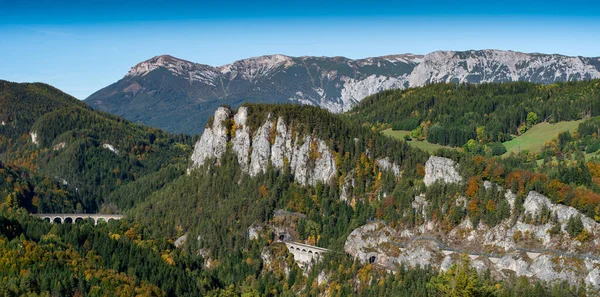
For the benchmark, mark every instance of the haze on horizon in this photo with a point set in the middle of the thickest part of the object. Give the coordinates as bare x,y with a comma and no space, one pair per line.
81,48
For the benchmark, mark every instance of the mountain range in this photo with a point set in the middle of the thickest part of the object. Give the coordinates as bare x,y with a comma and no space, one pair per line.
180,96
219,213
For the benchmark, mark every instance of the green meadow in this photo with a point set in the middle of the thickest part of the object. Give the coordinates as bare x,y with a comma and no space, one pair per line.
424,145
534,138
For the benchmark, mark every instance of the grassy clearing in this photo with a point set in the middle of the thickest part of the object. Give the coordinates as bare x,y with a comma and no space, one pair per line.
424,145
534,138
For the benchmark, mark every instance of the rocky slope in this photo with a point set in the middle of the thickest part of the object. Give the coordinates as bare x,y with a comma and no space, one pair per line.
179,95
274,143
521,245
279,141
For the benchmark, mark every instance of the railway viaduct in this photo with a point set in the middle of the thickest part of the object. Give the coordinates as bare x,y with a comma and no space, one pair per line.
76,217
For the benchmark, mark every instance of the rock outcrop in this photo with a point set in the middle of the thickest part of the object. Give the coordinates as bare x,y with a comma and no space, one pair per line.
261,149
309,158
241,140
34,137
380,245
111,148
180,241
522,245
213,142
385,165
367,241
439,168
535,202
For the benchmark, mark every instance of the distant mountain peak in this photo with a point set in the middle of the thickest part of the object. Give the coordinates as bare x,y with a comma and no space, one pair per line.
178,66
406,58
184,94
255,67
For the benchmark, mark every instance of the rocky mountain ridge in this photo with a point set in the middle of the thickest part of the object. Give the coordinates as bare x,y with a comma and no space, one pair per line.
520,245
179,95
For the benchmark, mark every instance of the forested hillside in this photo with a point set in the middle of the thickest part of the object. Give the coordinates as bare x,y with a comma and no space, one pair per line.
451,114
22,104
203,215
91,153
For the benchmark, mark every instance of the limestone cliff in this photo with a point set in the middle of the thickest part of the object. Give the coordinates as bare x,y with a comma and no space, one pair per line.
274,143
380,245
213,142
522,244
438,168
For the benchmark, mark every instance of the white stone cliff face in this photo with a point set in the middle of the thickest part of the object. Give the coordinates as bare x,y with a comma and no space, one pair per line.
553,257
439,168
355,90
111,148
282,146
213,142
241,141
385,165
309,158
261,149
34,137
324,164
365,240
379,242
535,202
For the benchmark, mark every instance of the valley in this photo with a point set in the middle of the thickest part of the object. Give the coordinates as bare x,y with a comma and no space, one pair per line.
299,148
220,212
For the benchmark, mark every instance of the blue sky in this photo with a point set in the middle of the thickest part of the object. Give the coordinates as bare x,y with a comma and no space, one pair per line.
82,46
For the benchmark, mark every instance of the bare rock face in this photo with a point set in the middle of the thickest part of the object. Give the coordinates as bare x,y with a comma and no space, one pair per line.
309,158
367,241
324,168
593,278
420,205
254,232
515,262
510,198
34,137
506,234
421,253
213,143
551,268
261,150
535,202
111,148
378,244
386,165
241,140
439,168
299,158
521,245
180,241
281,151
563,213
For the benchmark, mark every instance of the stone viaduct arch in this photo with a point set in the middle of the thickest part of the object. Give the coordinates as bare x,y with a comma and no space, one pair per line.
305,254
76,217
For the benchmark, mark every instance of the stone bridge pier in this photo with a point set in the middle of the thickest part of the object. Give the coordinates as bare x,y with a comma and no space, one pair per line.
305,254
73,218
